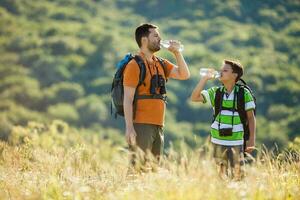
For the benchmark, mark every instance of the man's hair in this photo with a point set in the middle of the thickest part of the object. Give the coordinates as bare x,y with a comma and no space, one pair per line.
142,31
236,68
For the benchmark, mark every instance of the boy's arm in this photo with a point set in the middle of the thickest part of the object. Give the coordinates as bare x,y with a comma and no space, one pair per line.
250,146
196,94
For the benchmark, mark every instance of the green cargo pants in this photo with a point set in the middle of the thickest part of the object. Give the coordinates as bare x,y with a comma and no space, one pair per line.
149,145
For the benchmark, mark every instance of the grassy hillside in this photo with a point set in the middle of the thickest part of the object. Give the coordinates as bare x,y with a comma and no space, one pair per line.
58,58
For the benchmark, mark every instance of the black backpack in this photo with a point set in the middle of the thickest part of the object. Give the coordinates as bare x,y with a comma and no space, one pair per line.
240,106
117,90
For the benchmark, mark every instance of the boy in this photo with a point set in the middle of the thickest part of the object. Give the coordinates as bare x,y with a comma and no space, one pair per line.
227,131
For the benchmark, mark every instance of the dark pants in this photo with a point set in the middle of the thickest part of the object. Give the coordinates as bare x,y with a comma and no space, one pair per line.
149,145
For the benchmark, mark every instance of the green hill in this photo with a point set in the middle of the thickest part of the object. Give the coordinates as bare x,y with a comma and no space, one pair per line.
58,58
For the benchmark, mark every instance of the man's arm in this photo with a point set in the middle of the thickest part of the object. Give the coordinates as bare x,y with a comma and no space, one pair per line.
128,114
250,146
181,71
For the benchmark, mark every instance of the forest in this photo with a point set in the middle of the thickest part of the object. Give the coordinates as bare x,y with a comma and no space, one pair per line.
58,59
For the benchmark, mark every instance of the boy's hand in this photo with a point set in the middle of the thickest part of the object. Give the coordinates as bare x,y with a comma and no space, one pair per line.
209,75
250,146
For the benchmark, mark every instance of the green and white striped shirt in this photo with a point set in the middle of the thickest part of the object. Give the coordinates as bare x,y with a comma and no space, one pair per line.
226,116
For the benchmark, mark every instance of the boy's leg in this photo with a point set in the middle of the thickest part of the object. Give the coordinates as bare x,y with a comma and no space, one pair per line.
220,156
236,159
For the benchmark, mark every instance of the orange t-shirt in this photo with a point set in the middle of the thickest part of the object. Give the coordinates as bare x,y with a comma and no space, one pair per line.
148,111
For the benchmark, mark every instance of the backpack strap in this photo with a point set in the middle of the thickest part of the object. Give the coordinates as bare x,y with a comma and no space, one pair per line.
218,102
142,67
245,86
241,104
142,76
244,82
242,113
163,64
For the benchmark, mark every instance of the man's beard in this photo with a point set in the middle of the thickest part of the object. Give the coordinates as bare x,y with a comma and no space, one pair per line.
153,47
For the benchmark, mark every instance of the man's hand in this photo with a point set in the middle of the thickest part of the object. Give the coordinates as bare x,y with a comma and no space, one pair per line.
130,136
174,46
181,71
250,145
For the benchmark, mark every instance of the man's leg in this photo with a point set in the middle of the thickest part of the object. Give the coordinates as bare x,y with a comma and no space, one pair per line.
158,147
158,144
144,141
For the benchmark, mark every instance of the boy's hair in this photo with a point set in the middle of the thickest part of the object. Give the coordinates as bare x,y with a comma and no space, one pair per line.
236,68
142,31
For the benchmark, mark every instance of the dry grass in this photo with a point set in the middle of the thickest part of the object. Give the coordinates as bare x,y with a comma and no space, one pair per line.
95,169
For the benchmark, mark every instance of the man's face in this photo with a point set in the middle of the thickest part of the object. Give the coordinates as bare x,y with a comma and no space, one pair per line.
153,40
227,73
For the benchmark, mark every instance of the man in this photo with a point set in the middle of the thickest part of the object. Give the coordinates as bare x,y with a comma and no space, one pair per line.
144,128
227,129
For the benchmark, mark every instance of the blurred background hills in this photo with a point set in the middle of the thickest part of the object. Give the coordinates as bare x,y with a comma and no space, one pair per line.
58,58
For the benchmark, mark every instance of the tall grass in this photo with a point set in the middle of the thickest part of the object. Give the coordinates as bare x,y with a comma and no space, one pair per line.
40,162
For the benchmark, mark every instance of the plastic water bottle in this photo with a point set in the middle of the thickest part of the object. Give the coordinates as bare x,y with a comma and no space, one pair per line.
204,71
166,44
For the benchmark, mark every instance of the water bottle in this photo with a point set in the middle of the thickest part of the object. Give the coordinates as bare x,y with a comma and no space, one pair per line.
204,71
166,44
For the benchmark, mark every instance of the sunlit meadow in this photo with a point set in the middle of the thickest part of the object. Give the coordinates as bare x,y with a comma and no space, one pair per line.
56,162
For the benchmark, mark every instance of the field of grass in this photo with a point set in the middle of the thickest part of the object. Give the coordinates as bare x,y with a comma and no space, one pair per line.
55,162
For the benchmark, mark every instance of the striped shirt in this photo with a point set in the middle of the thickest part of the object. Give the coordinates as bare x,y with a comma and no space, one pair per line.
225,116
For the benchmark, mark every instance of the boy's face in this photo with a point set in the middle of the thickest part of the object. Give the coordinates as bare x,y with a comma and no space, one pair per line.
227,74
